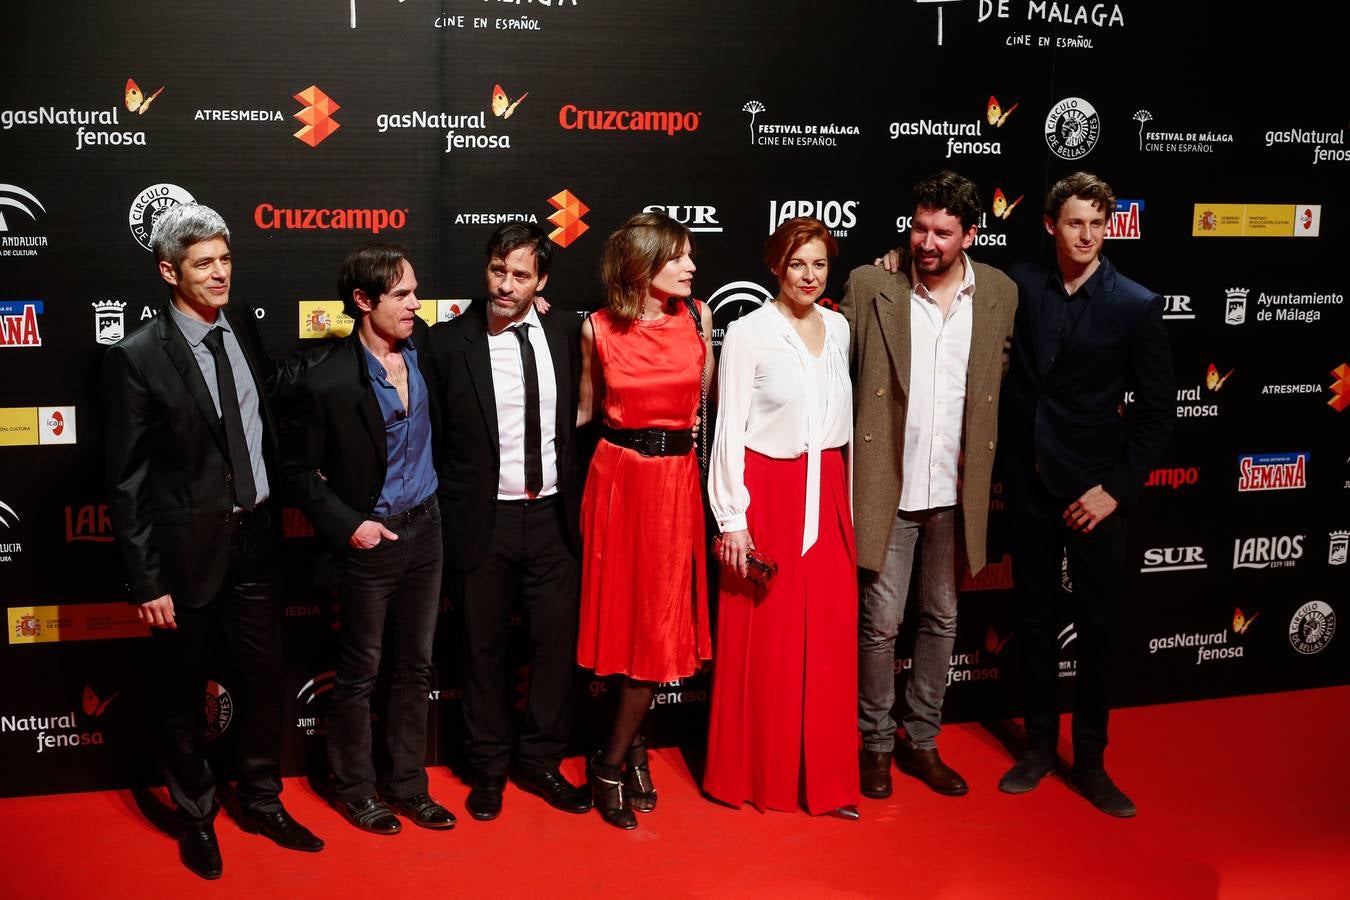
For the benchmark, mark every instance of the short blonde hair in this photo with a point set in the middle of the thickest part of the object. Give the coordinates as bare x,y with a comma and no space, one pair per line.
633,255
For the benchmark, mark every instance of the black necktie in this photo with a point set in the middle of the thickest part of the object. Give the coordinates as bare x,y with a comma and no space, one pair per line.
534,458
245,491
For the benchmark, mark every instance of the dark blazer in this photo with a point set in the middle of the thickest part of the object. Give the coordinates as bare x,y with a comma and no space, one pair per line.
1065,423
469,454
168,466
334,453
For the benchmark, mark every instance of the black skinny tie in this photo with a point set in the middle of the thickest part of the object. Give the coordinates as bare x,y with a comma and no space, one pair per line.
245,491
534,458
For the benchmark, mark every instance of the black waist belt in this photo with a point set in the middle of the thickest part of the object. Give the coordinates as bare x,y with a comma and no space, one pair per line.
651,441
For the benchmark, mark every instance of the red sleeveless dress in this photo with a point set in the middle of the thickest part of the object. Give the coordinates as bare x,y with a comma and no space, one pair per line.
644,600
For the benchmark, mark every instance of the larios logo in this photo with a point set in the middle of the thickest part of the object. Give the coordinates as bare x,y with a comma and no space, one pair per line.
19,323
1208,647
1281,552
814,134
573,118
275,218
837,215
1175,478
88,523
1273,471
1124,222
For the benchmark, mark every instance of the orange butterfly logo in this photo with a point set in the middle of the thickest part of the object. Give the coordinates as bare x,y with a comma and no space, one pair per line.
502,104
1241,623
93,706
1212,379
138,102
1002,208
995,114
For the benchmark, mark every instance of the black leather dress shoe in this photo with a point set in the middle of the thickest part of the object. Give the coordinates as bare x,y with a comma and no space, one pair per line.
199,851
1101,792
928,767
874,769
281,828
556,790
371,815
485,799
1027,772
422,810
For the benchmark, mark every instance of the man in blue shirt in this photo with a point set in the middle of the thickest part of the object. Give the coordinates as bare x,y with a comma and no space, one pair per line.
357,454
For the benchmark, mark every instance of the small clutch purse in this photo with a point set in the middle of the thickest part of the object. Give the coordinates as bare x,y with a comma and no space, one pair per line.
760,570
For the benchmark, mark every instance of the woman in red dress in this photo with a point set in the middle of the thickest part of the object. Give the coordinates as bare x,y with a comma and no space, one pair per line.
644,604
784,727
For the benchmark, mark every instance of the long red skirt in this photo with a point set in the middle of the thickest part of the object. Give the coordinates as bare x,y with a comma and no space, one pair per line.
785,688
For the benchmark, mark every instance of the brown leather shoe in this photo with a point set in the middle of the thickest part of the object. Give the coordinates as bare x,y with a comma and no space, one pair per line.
929,768
874,767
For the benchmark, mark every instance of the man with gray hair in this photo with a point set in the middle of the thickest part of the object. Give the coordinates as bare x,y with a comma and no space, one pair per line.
191,469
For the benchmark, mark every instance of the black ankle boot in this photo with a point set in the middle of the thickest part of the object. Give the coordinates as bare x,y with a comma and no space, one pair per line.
637,778
608,793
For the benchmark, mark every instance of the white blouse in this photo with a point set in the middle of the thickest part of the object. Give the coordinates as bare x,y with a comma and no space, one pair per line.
777,399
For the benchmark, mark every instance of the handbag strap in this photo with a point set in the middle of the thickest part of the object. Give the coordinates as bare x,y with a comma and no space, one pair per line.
703,425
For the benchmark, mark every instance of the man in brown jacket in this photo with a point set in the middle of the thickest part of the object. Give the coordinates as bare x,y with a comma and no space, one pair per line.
930,345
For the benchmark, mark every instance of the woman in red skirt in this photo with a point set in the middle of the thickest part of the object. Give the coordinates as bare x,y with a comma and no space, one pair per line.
644,603
784,729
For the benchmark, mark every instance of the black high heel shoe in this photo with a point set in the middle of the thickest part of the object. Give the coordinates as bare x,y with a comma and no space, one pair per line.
608,795
638,778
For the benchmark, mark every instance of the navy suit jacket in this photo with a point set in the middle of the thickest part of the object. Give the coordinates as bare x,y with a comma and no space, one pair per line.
1065,424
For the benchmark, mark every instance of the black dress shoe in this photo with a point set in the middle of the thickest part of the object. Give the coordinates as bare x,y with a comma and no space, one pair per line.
371,815
556,790
1027,772
485,800
423,811
281,828
874,770
199,851
1101,792
608,794
928,767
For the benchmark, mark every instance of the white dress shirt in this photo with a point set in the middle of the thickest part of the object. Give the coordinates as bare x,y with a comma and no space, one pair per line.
777,399
939,350
508,388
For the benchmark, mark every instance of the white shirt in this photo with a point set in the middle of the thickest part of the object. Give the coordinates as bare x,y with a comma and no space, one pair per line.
508,388
777,399
938,353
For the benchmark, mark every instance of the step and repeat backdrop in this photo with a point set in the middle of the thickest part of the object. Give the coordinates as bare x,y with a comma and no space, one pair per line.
313,126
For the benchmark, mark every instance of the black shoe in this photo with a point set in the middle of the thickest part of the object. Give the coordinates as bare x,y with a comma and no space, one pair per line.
485,800
608,794
370,815
1027,772
422,810
849,812
281,828
199,851
556,790
637,778
874,771
928,767
1101,792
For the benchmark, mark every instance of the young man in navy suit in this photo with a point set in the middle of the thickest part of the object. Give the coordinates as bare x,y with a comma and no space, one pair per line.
1084,335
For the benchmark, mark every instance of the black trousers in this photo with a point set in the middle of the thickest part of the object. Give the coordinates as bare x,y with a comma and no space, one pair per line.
390,595
526,558
1096,568
246,616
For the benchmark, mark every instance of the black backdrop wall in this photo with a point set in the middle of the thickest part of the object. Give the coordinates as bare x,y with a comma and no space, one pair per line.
312,126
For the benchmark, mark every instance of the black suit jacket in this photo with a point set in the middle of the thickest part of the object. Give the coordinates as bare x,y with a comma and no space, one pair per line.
168,466
469,454
334,450
1064,423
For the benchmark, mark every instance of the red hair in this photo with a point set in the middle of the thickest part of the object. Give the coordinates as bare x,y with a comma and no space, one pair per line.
791,235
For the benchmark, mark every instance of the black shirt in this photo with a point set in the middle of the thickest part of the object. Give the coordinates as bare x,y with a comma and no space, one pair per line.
1060,313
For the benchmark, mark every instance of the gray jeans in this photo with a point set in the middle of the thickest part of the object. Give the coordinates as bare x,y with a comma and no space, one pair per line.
884,601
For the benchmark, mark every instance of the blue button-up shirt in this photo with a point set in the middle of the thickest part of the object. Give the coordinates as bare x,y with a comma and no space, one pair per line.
411,475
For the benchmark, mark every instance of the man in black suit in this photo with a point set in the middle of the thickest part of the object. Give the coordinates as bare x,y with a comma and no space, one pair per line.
357,453
1083,337
191,466
507,382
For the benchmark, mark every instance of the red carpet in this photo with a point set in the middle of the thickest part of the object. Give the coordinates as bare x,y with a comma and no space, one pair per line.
1247,797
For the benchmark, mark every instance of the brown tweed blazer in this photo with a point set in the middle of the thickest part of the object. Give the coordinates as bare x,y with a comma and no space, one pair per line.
876,304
